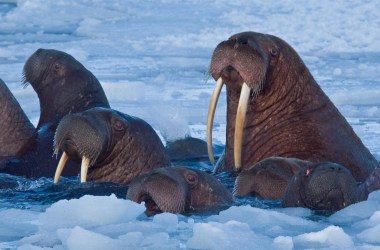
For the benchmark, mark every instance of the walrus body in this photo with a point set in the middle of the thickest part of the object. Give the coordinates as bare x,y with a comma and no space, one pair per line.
178,190
275,108
113,147
63,86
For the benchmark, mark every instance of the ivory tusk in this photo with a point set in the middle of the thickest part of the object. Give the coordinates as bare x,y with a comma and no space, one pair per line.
210,117
239,126
61,165
84,168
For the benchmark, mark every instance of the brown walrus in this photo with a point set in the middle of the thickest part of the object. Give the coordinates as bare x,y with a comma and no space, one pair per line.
278,109
112,146
269,178
321,186
63,85
178,190
318,186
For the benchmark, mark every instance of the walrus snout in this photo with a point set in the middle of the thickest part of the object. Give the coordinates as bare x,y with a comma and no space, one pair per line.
162,190
242,60
79,140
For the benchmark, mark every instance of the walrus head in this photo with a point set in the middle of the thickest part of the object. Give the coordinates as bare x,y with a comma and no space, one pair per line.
178,190
112,146
275,108
269,178
321,186
62,84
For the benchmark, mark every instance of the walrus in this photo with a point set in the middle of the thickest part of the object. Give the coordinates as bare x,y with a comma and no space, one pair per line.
63,86
321,186
276,108
15,128
178,190
111,146
269,178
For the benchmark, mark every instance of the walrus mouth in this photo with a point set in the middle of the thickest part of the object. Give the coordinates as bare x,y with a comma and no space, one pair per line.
151,206
239,123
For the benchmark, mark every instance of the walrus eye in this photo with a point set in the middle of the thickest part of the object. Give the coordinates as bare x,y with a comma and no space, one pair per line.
192,179
308,172
273,51
118,125
56,67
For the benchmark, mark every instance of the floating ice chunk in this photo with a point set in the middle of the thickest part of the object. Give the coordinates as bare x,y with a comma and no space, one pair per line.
283,242
17,223
83,239
370,235
166,220
229,235
268,222
89,211
331,236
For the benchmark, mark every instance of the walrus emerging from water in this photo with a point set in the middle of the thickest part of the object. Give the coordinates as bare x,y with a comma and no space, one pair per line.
63,86
321,186
275,108
179,190
298,183
112,146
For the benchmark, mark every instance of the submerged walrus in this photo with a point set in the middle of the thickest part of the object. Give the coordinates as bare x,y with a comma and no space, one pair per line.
321,186
179,190
63,86
269,178
275,108
297,183
112,146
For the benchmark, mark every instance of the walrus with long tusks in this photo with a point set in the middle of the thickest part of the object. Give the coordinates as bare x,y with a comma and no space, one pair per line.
111,146
179,190
63,86
276,108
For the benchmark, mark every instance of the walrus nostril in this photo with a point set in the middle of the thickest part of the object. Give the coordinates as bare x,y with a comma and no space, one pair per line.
241,41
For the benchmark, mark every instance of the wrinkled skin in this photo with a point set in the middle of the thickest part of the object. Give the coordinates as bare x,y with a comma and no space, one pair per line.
15,128
288,114
119,147
178,190
63,86
321,186
269,178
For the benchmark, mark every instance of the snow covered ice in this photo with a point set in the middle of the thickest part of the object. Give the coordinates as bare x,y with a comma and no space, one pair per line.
152,58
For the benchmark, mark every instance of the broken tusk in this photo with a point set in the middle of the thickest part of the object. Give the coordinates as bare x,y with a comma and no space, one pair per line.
84,168
61,165
239,126
210,117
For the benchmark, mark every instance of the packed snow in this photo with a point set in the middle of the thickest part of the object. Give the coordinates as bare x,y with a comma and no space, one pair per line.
152,58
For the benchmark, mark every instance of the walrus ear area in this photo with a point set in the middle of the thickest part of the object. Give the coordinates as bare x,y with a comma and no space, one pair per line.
191,178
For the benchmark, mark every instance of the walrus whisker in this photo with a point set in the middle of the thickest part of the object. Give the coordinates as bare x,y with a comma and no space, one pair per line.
60,167
84,168
239,125
210,117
